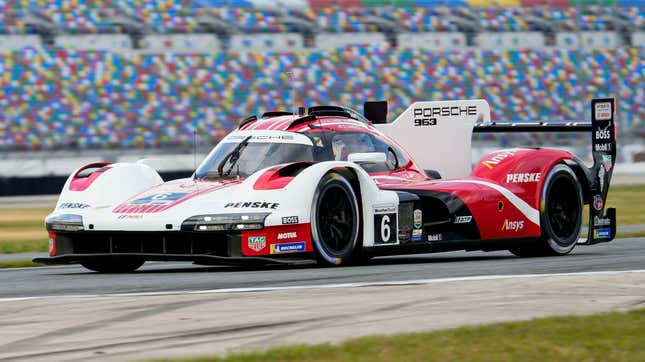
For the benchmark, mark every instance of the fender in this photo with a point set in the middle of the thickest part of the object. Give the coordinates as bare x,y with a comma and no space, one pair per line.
105,185
521,170
306,182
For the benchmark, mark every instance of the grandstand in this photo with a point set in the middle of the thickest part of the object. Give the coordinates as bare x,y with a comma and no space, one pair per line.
99,74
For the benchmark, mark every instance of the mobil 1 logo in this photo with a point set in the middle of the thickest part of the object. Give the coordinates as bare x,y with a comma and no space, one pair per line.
385,225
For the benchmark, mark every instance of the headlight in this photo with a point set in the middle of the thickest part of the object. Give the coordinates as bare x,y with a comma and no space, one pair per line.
250,221
65,222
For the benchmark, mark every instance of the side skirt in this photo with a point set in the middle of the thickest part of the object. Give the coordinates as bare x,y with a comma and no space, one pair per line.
444,246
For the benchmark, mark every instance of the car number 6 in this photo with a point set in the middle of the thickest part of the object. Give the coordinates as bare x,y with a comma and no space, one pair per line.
385,228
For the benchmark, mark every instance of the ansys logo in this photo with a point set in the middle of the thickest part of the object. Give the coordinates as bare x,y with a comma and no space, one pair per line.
513,225
497,159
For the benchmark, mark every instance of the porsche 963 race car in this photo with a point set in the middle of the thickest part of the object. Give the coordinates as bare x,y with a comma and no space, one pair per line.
335,186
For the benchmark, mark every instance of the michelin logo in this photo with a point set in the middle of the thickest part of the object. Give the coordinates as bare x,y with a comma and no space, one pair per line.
602,233
287,248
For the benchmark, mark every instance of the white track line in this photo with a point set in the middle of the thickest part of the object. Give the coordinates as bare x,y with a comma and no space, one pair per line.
323,286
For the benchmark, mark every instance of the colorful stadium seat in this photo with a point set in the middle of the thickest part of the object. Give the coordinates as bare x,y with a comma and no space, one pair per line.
64,98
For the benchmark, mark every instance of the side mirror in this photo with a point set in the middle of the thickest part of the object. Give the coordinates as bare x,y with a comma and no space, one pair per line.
367,158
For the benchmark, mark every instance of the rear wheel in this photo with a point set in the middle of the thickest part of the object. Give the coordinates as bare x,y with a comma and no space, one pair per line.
560,216
335,221
114,265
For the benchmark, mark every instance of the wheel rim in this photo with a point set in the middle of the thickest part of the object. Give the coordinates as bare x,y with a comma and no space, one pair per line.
564,211
336,220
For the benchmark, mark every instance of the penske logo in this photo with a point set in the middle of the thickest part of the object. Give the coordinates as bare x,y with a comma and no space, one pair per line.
523,177
513,225
497,159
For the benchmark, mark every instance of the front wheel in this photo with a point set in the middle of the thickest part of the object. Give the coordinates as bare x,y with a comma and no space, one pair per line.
335,221
114,265
560,215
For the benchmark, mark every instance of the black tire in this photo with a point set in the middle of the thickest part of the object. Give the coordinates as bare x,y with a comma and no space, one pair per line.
335,221
114,265
560,215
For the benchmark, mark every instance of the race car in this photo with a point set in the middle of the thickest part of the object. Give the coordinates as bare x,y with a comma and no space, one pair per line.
332,185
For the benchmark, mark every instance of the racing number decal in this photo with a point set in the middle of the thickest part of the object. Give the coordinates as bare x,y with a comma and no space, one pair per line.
385,228
386,232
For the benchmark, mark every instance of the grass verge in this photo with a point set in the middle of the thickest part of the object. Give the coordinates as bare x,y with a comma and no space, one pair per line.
18,264
24,246
604,337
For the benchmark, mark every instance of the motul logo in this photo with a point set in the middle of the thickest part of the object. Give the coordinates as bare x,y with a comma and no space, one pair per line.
513,225
497,159
522,177
289,235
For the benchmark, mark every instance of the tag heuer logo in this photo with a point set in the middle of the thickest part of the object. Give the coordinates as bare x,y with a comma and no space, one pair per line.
257,243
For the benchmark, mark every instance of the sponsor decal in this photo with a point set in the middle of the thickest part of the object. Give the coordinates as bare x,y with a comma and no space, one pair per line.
607,161
261,137
253,205
131,217
602,233
162,199
497,159
288,220
600,221
463,219
523,177
513,225
73,205
288,235
418,219
435,237
602,147
602,111
288,248
257,243
597,202
427,116
384,210
601,177
385,227
417,232
603,134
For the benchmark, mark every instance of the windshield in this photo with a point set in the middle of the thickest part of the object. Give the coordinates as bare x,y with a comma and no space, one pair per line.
244,154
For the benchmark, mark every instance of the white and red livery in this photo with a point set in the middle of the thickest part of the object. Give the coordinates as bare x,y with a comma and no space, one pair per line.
336,186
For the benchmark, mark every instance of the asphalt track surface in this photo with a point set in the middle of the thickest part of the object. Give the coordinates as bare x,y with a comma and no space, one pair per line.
619,255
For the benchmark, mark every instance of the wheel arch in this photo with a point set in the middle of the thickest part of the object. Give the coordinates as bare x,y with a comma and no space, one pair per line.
97,183
366,190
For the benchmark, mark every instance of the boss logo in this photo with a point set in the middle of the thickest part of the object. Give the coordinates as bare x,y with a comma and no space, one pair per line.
287,220
603,134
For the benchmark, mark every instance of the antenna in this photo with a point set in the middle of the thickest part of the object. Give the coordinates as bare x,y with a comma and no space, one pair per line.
194,151
293,92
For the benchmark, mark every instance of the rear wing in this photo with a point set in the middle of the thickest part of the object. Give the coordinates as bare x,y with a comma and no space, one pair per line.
602,223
